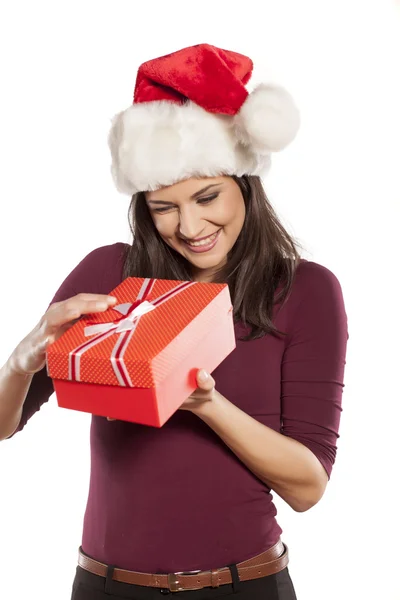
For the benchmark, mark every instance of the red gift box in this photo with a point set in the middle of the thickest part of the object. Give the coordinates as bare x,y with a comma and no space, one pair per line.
138,360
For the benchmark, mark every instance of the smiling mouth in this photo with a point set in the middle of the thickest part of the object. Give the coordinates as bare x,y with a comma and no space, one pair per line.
204,241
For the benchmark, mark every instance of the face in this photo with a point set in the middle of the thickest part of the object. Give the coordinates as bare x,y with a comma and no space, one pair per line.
201,219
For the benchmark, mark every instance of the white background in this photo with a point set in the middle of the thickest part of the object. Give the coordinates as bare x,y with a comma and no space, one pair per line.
66,69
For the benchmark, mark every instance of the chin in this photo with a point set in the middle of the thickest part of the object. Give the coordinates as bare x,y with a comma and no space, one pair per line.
206,263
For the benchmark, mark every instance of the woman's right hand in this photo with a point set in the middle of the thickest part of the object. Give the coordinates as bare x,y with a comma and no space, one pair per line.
29,356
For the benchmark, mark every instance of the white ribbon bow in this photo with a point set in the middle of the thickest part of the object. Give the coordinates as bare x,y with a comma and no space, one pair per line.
125,324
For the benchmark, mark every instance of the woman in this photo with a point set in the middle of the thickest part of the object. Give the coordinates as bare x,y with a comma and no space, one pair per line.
187,508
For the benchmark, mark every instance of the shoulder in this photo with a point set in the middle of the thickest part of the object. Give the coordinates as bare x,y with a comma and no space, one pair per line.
104,257
99,272
314,287
110,253
310,274
103,266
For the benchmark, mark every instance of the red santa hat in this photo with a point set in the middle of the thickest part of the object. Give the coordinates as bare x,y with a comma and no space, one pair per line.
192,116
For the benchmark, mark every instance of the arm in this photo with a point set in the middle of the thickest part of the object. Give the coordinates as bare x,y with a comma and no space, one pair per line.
282,463
13,390
296,463
24,383
29,357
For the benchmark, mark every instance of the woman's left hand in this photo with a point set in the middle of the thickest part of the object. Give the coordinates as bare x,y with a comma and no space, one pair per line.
205,392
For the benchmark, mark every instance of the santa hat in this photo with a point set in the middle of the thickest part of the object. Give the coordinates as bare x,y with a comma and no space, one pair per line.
192,116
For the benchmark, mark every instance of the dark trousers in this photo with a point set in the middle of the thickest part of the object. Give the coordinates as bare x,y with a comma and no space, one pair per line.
87,586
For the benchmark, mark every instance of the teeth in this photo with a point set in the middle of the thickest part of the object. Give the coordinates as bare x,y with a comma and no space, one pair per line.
203,242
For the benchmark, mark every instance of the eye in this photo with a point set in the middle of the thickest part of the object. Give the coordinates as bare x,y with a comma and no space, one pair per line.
207,199
163,209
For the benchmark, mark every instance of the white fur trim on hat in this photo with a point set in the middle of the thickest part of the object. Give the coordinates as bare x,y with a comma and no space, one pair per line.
156,144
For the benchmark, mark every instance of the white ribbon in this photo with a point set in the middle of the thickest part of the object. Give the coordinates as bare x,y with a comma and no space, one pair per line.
125,324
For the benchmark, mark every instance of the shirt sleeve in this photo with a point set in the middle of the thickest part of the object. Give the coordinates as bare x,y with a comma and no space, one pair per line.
98,273
312,376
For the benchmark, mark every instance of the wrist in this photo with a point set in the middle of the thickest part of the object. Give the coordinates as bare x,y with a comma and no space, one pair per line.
12,369
210,408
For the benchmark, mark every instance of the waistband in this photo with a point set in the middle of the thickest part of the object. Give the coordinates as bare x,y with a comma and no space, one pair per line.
271,561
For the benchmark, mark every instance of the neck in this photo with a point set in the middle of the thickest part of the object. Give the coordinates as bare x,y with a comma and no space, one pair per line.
206,275
203,276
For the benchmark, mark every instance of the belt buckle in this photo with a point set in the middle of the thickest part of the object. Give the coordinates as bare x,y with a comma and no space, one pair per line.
173,582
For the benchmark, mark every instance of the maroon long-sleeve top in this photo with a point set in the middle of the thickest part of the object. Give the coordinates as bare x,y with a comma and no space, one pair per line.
177,498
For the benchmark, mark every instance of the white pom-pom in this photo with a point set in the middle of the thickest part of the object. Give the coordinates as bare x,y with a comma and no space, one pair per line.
268,120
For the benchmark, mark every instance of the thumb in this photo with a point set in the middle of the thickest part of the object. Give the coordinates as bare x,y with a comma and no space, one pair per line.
204,380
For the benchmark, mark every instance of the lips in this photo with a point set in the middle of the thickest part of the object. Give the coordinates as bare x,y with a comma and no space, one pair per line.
203,244
205,241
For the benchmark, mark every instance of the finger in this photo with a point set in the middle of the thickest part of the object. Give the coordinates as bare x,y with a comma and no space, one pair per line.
86,303
97,297
204,380
63,313
84,300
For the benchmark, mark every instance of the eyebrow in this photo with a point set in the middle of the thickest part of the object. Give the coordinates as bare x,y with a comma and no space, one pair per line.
193,196
205,189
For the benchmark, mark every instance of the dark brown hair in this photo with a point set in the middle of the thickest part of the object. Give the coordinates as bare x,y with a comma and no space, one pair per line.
263,257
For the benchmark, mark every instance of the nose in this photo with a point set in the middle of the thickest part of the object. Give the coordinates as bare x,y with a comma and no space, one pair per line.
190,224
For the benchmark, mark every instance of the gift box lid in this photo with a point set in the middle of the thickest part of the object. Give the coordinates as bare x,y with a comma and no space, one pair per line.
154,325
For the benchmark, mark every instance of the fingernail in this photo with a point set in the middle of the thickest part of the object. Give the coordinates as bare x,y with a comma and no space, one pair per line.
203,375
111,299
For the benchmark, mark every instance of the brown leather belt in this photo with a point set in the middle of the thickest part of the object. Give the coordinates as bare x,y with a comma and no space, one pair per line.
271,561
